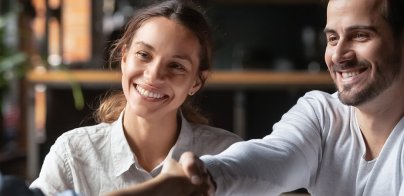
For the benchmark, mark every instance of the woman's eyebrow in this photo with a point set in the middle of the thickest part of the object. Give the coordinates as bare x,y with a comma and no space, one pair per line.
141,43
183,57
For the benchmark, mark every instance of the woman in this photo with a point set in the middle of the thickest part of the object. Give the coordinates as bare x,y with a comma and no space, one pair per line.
165,57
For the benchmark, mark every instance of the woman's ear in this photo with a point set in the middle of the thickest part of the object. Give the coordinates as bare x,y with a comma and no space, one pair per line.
198,83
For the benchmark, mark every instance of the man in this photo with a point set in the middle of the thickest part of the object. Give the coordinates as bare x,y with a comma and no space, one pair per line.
347,143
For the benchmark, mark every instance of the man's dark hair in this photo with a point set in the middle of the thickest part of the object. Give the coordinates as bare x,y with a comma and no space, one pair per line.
395,16
393,12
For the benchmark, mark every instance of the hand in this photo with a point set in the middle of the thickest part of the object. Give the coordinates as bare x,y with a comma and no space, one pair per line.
171,181
195,169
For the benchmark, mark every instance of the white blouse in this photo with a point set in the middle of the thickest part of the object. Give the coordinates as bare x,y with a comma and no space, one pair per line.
97,159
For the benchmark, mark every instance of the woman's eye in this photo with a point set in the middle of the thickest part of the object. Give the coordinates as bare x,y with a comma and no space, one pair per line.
178,67
143,55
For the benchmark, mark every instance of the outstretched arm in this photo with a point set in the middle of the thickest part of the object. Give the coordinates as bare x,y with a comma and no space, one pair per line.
173,180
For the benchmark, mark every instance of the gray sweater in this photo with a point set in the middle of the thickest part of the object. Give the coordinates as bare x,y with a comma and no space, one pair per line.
316,145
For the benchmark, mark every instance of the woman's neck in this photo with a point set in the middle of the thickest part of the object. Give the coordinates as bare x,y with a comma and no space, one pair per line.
151,139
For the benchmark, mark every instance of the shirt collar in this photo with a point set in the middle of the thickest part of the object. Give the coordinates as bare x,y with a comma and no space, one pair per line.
185,139
122,155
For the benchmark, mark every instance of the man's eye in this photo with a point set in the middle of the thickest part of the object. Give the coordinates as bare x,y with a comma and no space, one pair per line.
360,36
332,40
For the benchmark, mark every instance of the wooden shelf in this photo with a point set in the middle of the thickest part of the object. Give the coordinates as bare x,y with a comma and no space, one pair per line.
249,2
80,76
219,79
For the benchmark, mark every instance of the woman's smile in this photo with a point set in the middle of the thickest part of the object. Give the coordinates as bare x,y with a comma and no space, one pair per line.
149,94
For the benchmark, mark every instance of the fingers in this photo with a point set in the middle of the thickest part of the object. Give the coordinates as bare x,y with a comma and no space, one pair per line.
178,183
193,167
172,167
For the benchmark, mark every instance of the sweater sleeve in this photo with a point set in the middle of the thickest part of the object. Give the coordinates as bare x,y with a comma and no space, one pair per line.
283,161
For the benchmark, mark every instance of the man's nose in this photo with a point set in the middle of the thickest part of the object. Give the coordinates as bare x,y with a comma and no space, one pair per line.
342,53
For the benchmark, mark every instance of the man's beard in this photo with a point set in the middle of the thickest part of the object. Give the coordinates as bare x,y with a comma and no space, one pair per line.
374,88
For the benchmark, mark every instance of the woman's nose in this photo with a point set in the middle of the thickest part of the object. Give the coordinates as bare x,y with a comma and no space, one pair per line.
154,71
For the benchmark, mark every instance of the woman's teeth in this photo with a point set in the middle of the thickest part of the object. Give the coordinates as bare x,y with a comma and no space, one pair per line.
148,94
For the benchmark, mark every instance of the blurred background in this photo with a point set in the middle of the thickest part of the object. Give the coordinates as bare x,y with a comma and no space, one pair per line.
53,67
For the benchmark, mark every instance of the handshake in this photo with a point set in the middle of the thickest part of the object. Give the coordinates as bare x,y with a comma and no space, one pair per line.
186,177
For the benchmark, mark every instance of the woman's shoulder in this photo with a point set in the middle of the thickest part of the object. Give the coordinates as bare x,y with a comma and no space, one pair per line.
211,131
211,140
79,137
98,129
214,135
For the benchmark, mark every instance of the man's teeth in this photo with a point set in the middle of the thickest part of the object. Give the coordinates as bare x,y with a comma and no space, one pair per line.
149,94
349,74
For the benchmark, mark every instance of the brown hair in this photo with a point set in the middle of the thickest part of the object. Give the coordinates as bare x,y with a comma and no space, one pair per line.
185,13
394,15
393,12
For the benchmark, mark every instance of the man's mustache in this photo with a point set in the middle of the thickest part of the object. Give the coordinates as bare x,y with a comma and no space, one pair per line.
349,64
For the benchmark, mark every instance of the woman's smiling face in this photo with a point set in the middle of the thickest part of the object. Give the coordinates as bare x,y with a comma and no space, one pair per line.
160,68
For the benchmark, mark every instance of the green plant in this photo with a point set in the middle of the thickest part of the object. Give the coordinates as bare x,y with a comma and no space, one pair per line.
13,67
11,60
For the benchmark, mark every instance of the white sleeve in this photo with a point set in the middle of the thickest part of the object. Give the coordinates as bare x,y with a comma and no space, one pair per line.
283,161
